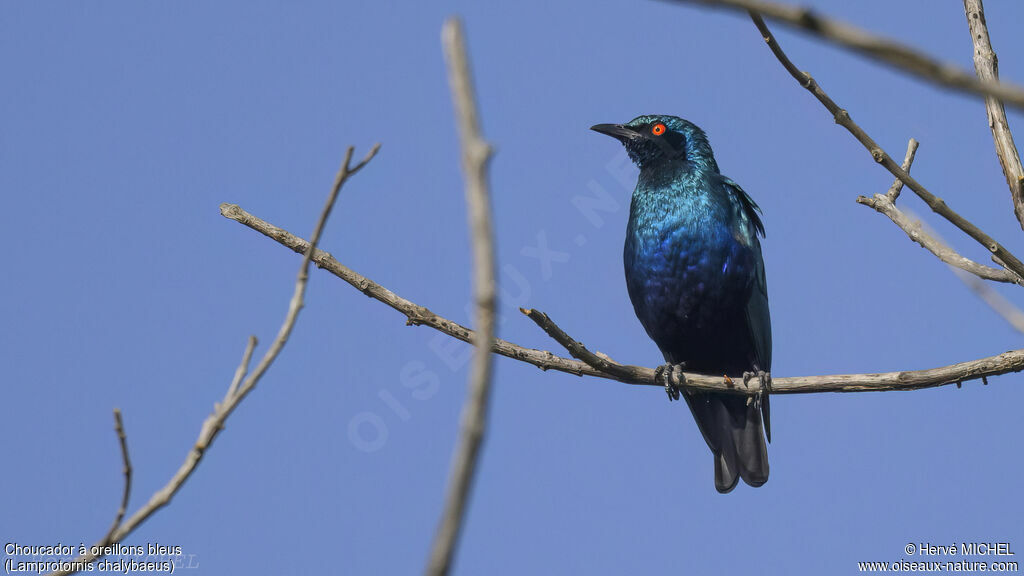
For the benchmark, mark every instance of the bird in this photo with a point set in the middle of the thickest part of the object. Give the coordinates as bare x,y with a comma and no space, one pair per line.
696,279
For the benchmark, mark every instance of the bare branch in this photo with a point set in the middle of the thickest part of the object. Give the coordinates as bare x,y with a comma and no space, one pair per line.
908,161
243,368
79,563
882,204
475,155
604,365
1000,305
880,156
986,65
415,314
122,440
1012,361
885,204
908,380
295,306
876,47
214,423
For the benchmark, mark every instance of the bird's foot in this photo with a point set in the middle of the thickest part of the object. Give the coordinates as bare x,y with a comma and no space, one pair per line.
671,375
765,388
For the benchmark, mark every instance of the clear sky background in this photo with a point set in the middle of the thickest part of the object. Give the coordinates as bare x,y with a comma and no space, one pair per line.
126,124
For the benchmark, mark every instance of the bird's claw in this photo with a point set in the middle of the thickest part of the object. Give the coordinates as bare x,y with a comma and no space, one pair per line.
765,381
670,374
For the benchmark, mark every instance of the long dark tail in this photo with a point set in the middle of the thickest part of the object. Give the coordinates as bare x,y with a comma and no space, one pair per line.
733,431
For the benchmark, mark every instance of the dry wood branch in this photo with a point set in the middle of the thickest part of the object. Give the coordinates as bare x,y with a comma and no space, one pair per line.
296,303
986,65
415,314
1000,305
908,161
943,252
577,350
842,117
996,301
214,423
1012,361
885,204
908,380
475,156
243,368
122,440
111,536
876,47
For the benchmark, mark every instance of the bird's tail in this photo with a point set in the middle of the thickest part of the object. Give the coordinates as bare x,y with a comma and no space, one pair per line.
733,430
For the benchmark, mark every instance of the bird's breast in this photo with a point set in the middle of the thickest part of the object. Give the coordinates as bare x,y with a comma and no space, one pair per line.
684,265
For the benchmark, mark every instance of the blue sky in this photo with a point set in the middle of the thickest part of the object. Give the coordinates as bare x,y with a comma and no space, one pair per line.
127,124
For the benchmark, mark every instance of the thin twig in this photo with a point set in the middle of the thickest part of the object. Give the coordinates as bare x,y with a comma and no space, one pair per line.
112,536
912,227
243,367
986,65
416,315
999,253
126,462
295,306
996,301
1000,305
603,364
473,427
214,423
885,204
876,47
908,161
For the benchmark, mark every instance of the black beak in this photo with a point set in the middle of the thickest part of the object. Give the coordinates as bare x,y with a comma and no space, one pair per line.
617,131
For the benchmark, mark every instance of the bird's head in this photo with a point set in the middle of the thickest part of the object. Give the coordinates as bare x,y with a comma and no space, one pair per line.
653,139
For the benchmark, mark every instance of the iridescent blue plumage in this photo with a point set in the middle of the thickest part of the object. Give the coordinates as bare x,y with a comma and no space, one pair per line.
695,275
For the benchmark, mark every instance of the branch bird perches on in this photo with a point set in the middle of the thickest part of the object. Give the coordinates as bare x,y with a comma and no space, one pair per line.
475,154
590,364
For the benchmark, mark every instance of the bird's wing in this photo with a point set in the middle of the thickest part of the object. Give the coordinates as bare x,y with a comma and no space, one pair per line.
758,318
749,208
760,325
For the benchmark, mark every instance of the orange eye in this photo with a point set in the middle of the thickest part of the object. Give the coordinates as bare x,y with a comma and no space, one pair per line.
658,129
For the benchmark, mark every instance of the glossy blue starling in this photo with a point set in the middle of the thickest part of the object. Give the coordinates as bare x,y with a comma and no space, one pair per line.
695,275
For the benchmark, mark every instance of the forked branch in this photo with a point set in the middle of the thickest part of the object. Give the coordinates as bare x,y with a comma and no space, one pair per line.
415,314
886,204
876,47
1000,254
986,66
240,386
